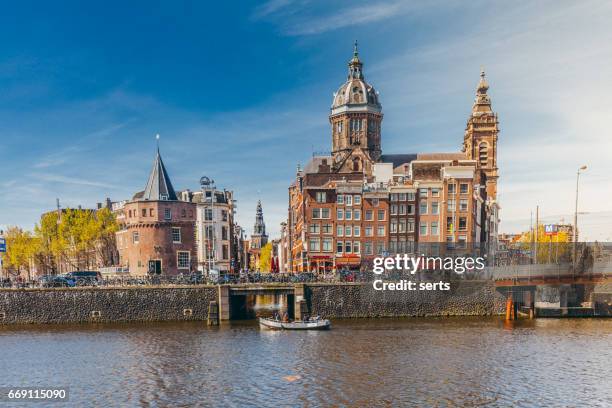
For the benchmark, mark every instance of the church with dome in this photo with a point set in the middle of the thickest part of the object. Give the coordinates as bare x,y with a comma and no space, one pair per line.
357,203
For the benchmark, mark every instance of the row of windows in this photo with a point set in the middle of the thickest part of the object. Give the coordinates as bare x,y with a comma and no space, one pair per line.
435,192
208,214
433,228
151,213
348,199
401,226
175,233
402,196
402,209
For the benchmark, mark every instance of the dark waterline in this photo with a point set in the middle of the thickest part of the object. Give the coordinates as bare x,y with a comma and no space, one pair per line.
400,362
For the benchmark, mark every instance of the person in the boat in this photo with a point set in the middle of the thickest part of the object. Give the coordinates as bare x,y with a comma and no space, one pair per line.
285,317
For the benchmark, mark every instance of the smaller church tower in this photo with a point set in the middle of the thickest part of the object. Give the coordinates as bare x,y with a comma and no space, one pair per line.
259,238
480,139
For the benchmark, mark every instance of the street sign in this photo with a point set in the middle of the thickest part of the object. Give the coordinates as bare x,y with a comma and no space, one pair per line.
550,229
2,245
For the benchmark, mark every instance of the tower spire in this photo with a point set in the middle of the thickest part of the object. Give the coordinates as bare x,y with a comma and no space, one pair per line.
482,103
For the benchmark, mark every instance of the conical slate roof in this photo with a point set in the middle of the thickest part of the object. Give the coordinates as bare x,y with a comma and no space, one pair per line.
159,187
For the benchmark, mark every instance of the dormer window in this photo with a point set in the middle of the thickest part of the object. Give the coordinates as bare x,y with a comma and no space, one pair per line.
164,197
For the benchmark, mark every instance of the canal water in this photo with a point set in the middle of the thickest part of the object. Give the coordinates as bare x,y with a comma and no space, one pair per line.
460,362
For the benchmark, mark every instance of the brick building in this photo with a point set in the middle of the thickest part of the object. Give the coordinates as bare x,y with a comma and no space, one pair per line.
157,233
357,203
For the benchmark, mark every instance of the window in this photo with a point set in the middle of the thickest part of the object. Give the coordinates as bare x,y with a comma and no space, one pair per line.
449,224
340,230
451,204
367,247
208,214
340,214
435,192
368,215
348,247
410,196
340,199
321,197
224,215
313,244
463,204
184,213
380,248
423,208
434,228
326,228
225,251
402,209
144,212
410,225
402,226
381,215
394,209
394,197
483,153
393,227
348,231
422,228
381,231
348,200
402,196
339,246
435,208
356,230
357,215
368,231
328,244
348,214
176,235
393,247
357,200
339,126
451,188
422,192
183,259
150,212
167,214
209,232
316,213
356,248
315,228
410,209
135,237
224,234
325,213
463,188
462,223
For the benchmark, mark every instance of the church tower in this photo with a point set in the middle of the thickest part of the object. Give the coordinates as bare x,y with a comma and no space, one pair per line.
355,118
259,238
480,139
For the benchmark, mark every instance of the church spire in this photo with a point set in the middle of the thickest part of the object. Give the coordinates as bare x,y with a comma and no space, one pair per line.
482,103
260,226
159,187
355,65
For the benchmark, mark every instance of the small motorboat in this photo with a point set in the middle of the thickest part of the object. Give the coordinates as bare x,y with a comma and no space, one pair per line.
315,323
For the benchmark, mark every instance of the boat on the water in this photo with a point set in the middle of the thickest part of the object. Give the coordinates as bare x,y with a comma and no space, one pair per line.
310,324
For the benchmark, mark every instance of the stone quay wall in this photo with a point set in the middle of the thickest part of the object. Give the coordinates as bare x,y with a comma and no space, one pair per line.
90,305
184,303
465,298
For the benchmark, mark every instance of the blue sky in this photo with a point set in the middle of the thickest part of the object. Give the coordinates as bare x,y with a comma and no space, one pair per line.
241,92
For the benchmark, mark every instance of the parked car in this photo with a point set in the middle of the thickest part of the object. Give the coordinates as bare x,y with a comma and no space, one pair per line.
83,278
55,281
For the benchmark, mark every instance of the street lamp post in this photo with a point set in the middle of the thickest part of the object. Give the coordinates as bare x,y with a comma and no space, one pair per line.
582,168
208,187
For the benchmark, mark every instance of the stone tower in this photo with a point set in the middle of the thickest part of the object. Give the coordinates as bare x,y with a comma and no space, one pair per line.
259,238
480,139
355,118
